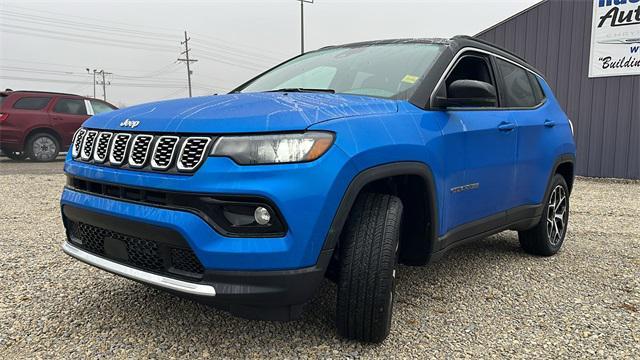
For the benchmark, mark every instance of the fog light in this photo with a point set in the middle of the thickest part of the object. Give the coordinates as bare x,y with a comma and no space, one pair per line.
262,215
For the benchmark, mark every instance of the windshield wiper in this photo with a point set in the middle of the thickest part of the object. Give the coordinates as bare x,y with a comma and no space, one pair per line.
331,91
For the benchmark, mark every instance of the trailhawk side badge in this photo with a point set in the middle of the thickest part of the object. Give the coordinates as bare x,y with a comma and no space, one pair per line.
130,123
460,189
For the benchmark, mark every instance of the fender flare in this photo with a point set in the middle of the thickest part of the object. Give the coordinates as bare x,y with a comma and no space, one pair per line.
377,173
567,158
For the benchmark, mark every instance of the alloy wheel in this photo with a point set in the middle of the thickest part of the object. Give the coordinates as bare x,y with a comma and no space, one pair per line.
44,148
557,213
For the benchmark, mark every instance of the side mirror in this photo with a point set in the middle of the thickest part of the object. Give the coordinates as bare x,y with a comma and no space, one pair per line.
468,93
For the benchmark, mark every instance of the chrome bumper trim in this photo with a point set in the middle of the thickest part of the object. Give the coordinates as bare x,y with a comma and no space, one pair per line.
135,274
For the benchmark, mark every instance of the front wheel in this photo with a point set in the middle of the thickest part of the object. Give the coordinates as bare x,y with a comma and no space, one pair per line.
368,258
43,147
546,238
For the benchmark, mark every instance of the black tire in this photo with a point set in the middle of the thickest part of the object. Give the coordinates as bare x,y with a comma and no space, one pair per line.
546,238
368,258
16,155
43,147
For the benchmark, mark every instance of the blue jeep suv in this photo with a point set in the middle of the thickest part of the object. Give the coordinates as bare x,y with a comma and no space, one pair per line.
339,163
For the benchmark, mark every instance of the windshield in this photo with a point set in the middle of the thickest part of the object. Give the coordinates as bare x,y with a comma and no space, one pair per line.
380,70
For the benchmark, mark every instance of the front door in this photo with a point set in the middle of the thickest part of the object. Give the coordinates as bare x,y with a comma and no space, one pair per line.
67,114
481,148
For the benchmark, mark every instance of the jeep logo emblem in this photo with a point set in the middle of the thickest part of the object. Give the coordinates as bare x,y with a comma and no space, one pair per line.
129,123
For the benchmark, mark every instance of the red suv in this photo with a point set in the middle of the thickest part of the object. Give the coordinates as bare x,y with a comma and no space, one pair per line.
39,125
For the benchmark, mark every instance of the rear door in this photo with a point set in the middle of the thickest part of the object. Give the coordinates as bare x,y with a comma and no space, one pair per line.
482,142
524,101
27,112
67,114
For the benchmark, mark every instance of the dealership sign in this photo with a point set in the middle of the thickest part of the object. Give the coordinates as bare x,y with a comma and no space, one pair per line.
615,38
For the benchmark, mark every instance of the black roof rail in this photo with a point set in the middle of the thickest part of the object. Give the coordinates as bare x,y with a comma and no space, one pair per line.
485,42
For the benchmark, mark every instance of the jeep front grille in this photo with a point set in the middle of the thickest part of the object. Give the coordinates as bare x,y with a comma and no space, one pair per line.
141,151
100,154
77,142
192,152
87,145
119,149
163,152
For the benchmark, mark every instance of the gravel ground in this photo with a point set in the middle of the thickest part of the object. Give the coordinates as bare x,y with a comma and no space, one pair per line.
486,299
11,167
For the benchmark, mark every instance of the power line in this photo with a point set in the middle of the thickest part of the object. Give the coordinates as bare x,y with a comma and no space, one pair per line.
114,76
62,81
79,39
97,20
60,19
95,26
113,42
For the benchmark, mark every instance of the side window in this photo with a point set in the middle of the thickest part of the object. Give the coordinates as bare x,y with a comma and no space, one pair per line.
32,103
472,67
537,89
99,107
70,106
517,92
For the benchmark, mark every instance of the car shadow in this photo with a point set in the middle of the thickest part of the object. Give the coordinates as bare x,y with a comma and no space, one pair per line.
137,309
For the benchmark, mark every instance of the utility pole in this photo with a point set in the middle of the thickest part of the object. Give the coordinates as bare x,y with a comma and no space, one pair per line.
94,81
104,83
186,59
302,23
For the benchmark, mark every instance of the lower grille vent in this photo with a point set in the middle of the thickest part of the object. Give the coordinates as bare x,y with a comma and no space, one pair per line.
149,255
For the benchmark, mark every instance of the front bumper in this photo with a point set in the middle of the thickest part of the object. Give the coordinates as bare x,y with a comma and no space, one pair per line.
265,295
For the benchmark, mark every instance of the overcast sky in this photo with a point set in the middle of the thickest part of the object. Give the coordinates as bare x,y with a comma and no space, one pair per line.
47,45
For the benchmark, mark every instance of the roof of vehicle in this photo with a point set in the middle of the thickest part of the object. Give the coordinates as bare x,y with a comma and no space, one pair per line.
8,92
459,41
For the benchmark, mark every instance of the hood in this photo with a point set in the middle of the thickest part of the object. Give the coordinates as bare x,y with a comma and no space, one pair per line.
241,113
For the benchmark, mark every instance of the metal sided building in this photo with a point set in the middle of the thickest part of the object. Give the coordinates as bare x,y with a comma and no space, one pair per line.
589,52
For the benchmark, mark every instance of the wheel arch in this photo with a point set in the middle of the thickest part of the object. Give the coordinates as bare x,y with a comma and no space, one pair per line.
385,178
565,166
46,130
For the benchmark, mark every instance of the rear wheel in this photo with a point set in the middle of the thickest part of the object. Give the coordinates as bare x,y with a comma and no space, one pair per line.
43,147
367,270
547,237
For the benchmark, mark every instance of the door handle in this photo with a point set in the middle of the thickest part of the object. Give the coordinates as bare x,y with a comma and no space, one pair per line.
549,123
506,126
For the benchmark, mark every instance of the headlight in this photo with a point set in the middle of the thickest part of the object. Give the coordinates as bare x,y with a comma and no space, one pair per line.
275,148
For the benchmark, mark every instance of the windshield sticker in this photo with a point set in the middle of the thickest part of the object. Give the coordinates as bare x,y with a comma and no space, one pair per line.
410,79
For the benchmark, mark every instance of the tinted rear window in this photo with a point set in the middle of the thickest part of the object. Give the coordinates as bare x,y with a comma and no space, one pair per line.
32,103
518,92
70,106
537,89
